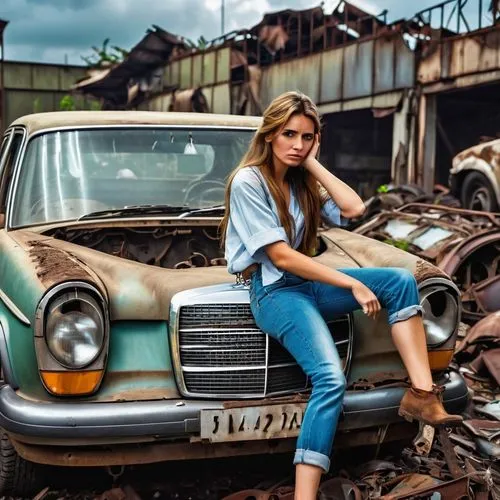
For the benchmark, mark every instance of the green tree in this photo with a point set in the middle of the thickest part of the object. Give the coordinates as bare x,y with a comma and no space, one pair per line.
37,105
67,103
201,43
105,55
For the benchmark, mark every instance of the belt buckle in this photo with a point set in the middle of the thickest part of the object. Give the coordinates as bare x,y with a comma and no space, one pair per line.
240,280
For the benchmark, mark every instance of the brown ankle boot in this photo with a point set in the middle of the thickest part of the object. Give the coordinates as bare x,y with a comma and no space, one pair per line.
427,407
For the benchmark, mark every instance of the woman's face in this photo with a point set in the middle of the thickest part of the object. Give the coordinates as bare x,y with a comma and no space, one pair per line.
293,142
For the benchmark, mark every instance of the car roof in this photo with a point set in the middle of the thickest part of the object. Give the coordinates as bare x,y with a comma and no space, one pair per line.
75,119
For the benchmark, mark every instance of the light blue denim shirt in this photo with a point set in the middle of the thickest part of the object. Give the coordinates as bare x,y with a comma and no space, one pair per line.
254,223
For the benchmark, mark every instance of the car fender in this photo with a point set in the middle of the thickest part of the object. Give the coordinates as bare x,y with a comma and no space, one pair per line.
8,374
474,164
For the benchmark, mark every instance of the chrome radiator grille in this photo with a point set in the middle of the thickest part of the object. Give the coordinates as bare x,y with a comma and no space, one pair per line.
222,353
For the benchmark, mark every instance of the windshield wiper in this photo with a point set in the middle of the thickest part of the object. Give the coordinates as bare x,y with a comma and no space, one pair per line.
207,210
136,210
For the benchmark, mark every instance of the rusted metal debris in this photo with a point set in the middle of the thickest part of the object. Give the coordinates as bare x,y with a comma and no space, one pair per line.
465,244
479,351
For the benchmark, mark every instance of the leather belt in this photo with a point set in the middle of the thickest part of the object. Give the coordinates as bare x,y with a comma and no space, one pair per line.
247,273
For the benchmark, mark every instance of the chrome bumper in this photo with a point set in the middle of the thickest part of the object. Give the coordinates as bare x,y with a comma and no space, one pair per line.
85,423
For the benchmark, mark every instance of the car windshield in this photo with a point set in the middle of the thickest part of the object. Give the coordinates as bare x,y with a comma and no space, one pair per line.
68,174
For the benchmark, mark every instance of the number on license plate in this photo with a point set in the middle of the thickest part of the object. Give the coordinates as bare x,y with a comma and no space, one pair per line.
256,422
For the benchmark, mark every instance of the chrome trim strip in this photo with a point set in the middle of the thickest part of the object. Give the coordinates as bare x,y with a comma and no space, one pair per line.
7,147
232,368
237,331
215,369
54,291
266,373
70,128
175,353
15,174
205,348
14,309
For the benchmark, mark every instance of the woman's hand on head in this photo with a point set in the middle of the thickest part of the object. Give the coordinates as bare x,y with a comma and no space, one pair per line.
366,299
313,151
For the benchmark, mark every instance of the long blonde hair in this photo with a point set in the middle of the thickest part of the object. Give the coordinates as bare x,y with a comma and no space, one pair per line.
260,154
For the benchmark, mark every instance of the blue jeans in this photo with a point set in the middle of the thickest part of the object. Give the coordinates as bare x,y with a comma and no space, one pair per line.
294,311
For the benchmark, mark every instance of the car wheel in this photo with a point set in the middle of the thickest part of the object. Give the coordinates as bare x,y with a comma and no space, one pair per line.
18,477
477,193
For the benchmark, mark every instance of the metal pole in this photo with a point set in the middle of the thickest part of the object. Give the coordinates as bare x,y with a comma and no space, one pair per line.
222,9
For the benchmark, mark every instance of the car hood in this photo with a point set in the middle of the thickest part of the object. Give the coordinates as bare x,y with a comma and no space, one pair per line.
134,291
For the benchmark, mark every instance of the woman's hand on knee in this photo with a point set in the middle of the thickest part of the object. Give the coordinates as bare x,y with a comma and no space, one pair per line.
366,299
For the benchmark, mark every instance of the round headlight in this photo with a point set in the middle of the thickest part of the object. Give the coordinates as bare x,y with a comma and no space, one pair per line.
440,313
74,329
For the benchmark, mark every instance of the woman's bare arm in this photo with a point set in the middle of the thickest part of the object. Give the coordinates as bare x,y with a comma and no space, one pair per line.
350,204
286,258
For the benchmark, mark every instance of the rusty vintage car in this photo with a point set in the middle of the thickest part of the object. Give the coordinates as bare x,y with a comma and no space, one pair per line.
475,177
124,340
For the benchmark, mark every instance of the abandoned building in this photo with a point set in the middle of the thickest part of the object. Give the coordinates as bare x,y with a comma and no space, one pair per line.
399,99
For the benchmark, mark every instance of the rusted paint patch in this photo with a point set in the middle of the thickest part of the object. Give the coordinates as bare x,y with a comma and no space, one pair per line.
140,394
294,398
425,270
136,386
143,453
486,153
147,453
127,376
54,265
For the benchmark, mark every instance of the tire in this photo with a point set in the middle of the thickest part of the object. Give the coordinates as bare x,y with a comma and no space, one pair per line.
18,477
477,193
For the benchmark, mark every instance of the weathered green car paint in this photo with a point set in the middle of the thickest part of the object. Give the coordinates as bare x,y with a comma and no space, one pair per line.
139,362
21,285
19,280
21,352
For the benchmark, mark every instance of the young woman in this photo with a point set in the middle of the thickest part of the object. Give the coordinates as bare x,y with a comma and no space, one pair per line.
274,202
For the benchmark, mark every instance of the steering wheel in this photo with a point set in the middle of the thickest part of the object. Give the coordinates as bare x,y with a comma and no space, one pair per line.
205,193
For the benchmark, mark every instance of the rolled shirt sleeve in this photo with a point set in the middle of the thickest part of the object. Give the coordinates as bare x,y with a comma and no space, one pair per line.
330,214
254,220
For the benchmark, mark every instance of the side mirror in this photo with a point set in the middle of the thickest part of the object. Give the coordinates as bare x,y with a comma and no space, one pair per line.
2,221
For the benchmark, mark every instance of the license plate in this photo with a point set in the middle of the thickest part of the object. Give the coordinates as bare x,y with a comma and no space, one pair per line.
255,422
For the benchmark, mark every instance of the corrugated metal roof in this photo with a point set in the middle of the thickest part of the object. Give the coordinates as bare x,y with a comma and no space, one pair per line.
153,51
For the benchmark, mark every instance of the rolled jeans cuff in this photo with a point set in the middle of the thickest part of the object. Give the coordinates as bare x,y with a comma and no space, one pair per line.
405,314
310,457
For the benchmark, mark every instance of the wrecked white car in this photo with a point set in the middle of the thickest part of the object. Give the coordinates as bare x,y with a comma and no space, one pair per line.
475,177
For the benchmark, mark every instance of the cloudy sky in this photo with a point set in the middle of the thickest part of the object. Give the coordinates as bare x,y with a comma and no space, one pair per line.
62,30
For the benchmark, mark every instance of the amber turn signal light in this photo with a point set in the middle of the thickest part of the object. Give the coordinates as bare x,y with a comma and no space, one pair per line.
72,383
440,360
